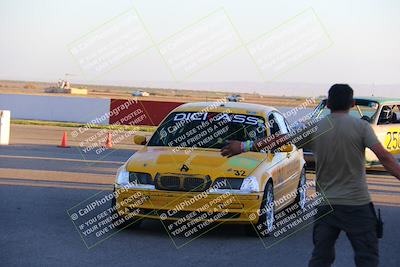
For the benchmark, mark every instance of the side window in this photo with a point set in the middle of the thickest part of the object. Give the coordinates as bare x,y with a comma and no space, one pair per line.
396,114
273,124
281,123
277,123
389,114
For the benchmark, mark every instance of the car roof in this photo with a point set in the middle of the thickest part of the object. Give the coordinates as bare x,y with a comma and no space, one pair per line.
380,100
235,107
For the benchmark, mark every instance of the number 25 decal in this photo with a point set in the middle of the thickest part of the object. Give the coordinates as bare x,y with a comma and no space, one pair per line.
392,140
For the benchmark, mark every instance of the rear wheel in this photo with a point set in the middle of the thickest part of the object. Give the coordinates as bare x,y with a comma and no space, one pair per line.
265,224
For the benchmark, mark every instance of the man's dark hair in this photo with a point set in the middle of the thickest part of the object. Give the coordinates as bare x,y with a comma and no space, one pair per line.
340,97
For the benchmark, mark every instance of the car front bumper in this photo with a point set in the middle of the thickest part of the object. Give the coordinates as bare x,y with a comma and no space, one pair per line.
224,206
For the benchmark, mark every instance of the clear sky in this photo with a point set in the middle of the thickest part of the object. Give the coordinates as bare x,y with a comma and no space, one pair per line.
35,35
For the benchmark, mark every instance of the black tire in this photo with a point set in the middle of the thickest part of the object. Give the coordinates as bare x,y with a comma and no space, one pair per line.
131,223
301,198
266,221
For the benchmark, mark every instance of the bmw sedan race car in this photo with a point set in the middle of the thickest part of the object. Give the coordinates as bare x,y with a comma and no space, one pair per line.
180,176
384,116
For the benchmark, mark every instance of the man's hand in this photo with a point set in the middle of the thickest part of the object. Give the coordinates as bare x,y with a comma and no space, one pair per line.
232,148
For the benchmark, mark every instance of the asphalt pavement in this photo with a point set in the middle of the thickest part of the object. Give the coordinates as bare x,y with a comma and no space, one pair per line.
40,182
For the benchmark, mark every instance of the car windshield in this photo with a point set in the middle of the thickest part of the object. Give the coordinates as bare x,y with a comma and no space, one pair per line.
364,109
207,129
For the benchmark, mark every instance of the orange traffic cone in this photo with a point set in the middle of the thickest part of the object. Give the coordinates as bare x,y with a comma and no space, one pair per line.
109,141
64,141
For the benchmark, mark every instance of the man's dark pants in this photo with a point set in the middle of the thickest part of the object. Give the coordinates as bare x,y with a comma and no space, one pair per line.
359,224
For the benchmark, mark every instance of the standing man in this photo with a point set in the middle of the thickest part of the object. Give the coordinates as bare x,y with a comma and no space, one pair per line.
339,145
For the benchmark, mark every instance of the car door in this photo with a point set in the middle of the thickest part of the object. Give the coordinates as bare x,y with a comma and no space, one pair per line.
387,129
287,162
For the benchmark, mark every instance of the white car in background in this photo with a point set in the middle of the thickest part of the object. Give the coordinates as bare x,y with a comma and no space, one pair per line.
140,93
235,98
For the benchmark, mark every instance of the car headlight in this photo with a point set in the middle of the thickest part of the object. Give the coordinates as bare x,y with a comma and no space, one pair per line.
122,175
250,184
228,183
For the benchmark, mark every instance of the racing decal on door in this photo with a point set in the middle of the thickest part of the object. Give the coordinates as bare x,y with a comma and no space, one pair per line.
392,141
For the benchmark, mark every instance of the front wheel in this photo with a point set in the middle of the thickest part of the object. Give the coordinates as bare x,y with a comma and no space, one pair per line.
265,224
301,198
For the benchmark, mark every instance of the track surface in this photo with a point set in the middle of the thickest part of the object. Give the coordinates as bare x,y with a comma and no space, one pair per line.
39,182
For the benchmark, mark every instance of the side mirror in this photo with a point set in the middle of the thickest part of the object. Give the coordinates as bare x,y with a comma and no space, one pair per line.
286,148
139,140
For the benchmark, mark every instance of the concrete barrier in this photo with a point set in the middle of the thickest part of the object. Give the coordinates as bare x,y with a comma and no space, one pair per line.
56,108
4,127
140,112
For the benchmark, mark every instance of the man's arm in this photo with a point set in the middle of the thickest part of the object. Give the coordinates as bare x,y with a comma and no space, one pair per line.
387,159
299,137
271,143
233,148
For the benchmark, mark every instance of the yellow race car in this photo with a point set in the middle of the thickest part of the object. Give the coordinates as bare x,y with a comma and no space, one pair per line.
180,175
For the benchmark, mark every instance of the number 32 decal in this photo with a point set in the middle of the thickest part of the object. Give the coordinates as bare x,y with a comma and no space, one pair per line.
239,172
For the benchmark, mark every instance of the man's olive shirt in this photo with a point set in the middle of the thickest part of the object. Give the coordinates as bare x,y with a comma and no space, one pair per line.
338,142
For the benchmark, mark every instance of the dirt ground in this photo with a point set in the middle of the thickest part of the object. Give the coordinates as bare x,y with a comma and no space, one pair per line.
156,94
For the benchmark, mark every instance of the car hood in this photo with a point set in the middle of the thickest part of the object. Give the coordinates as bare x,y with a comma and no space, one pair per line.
155,160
